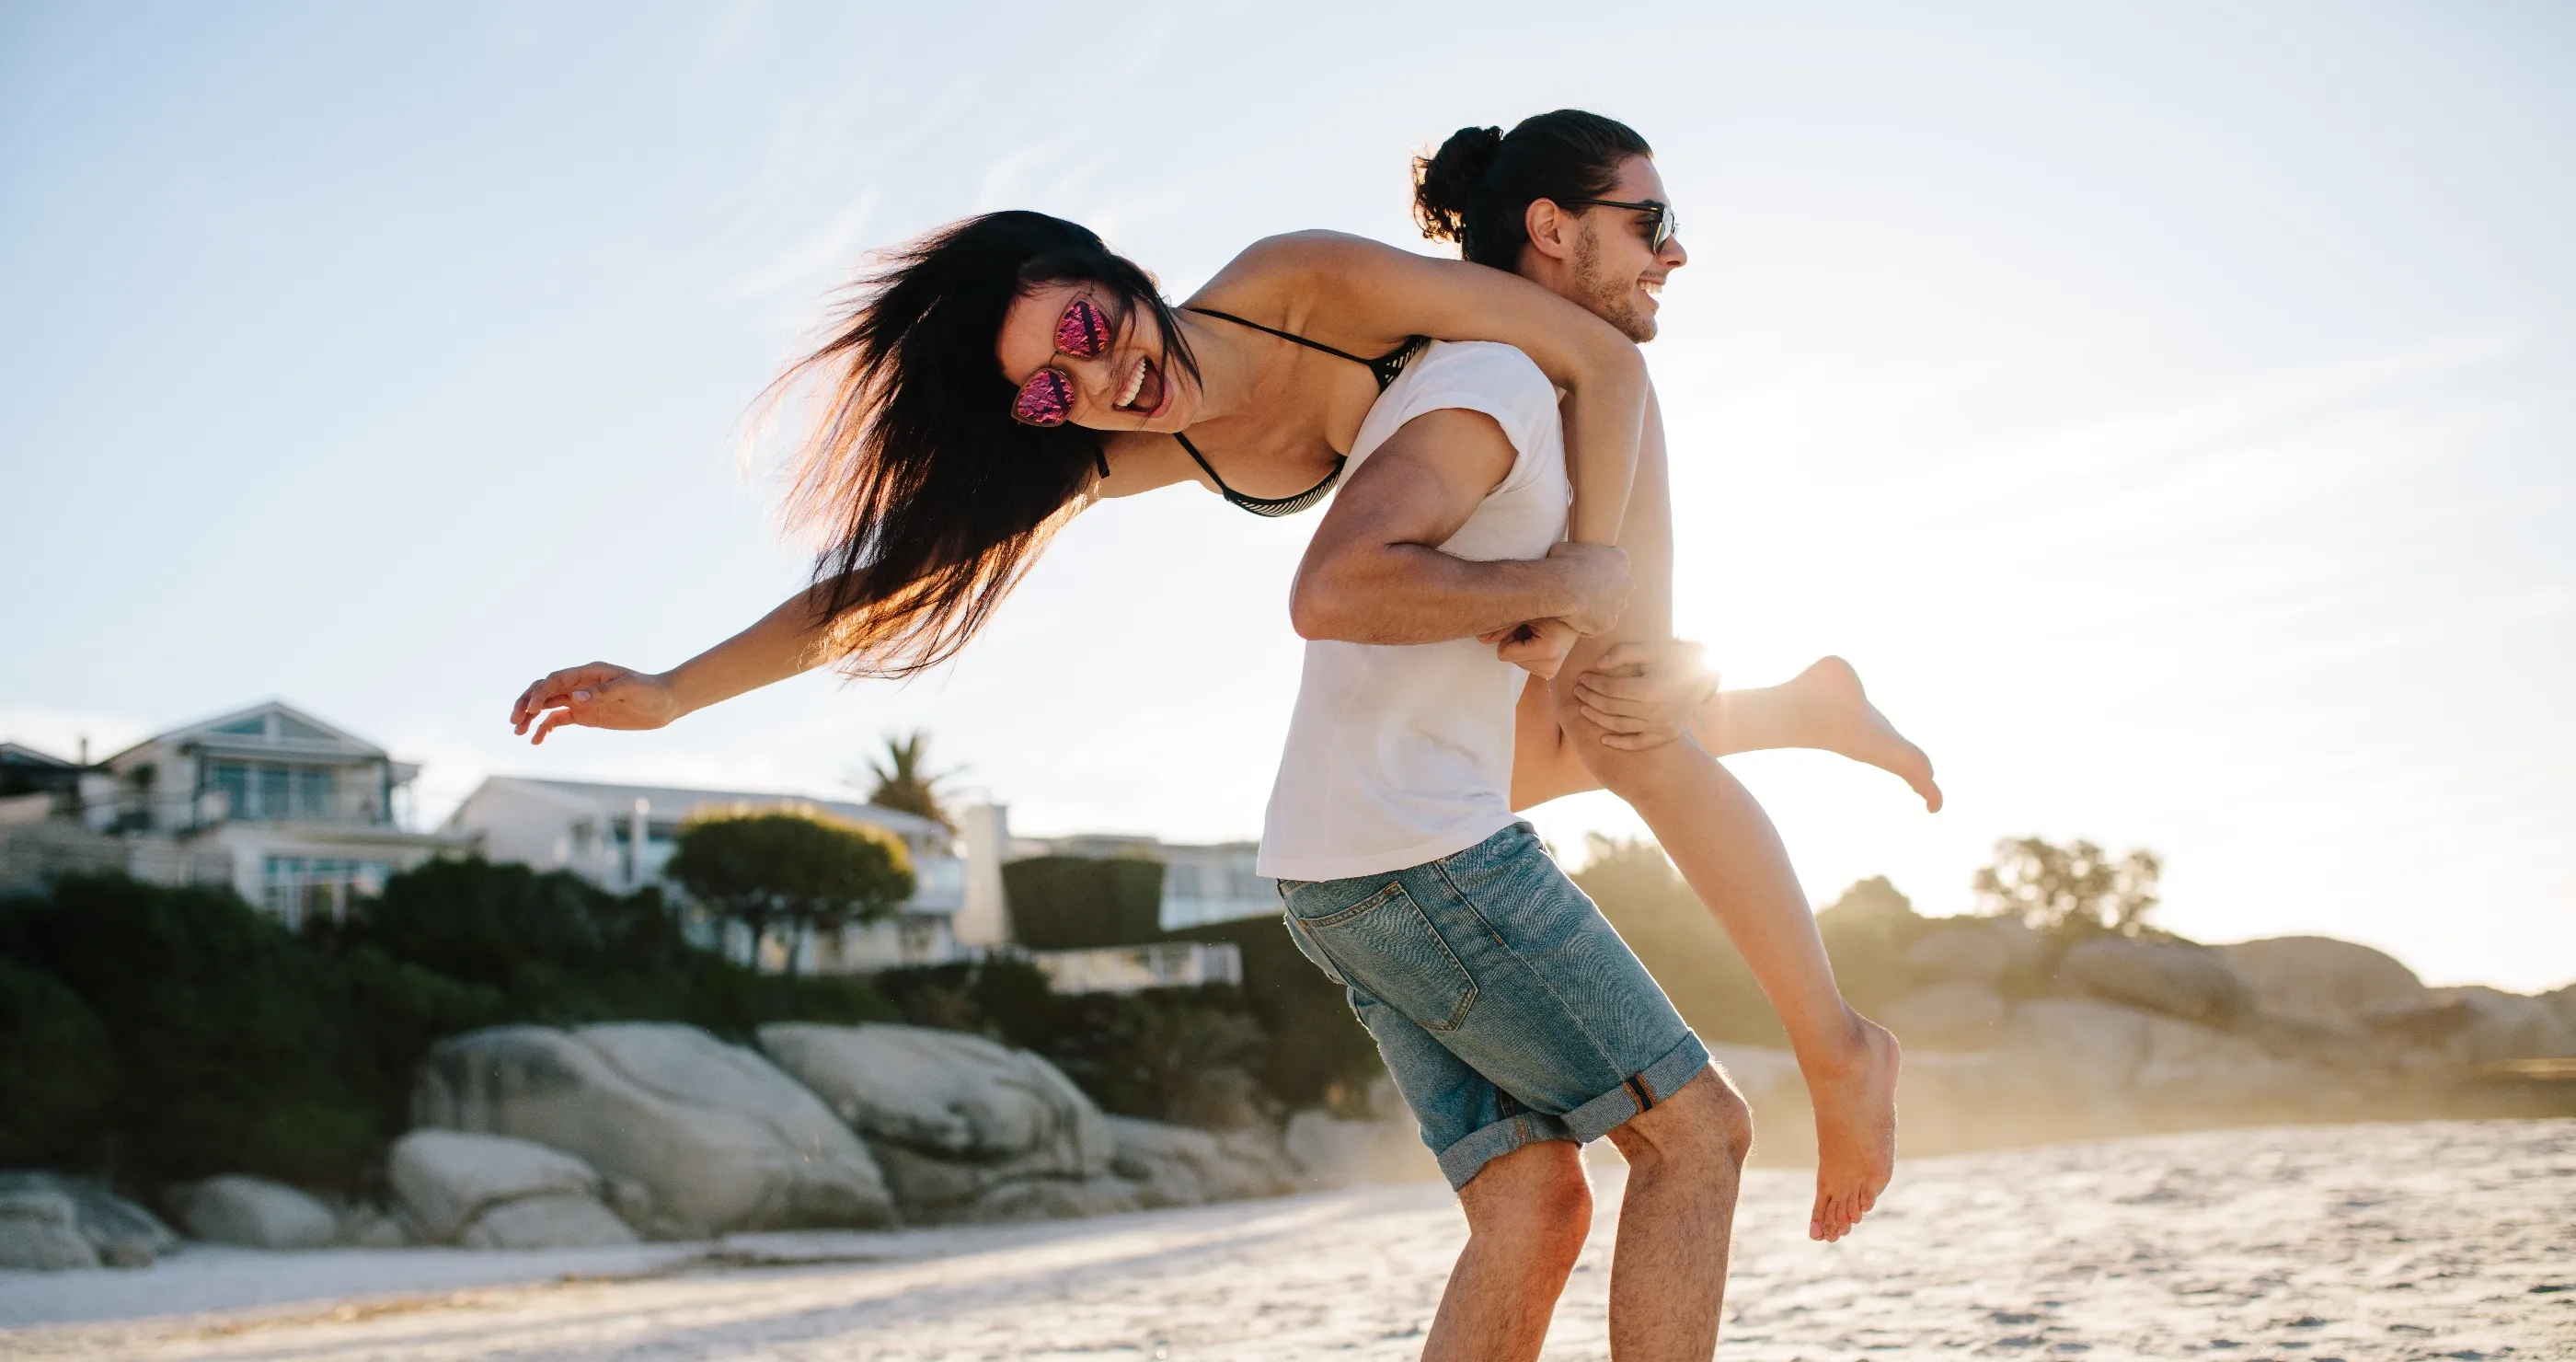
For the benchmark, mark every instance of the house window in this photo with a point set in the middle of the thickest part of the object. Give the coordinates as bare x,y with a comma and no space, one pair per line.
267,791
298,887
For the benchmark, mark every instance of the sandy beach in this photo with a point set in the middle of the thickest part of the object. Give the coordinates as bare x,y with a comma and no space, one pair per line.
2454,1240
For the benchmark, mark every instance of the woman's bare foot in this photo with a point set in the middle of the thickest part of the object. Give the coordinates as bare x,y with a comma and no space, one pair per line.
1855,1102
1840,719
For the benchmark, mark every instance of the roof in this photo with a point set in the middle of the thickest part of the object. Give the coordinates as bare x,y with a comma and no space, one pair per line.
672,801
19,754
270,728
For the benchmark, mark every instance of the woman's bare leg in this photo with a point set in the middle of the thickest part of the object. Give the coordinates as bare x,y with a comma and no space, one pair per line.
1726,848
1823,708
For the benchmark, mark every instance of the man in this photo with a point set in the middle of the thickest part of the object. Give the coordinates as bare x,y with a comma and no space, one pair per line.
1514,1021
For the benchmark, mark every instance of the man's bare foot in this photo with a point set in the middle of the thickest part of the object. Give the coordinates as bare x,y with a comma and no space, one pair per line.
1855,1101
1838,711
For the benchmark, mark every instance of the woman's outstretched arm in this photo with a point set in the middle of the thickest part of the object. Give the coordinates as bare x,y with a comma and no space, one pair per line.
785,642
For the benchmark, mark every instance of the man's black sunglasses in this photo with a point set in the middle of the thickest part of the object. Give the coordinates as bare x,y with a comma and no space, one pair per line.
1664,225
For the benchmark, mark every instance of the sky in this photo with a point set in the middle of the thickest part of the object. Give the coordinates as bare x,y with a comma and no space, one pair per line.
2167,408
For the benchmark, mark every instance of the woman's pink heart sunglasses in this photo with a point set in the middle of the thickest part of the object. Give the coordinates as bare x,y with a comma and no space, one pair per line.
1083,332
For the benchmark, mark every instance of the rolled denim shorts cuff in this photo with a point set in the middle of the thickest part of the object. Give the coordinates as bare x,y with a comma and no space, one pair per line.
1465,1159
1653,1084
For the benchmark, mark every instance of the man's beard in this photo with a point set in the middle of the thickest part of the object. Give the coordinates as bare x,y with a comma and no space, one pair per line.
1610,300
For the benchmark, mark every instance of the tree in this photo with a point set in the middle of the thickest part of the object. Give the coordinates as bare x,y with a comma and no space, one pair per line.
2073,889
904,781
788,869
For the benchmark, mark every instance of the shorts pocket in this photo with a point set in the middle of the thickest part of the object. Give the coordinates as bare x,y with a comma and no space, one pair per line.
1307,948
1386,945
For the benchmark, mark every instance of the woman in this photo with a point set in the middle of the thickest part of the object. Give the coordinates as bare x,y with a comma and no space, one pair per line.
1002,373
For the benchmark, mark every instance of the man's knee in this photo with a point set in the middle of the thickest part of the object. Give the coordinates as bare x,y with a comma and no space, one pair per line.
1537,1194
1705,1125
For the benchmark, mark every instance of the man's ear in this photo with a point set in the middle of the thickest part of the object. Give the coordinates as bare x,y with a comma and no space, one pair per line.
1551,229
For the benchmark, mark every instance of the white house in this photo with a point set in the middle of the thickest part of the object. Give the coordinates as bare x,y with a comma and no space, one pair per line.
297,816
620,837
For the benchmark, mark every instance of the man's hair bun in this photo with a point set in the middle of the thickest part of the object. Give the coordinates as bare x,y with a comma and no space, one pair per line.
1445,181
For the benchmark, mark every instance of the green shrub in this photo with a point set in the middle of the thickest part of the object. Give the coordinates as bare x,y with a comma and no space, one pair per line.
58,1085
231,1039
1319,1053
1075,902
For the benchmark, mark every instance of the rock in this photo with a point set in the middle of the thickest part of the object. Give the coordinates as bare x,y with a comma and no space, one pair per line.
1052,1199
559,1220
1972,950
2503,1026
1179,1166
717,1138
2326,982
449,1178
372,1227
2354,1053
40,1232
2175,978
1329,1151
1958,1015
2129,1068
253,1213
948,1093
122,1233
1259,1156
952,1117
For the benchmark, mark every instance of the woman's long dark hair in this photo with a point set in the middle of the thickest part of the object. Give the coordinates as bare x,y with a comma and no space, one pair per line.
930,500
1476,190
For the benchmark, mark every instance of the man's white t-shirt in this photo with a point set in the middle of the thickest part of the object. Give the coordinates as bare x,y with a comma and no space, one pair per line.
1398,755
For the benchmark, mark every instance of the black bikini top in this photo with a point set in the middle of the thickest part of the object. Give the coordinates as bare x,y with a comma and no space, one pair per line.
1384,368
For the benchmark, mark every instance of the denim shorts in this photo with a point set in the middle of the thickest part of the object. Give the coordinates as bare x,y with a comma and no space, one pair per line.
1507,1009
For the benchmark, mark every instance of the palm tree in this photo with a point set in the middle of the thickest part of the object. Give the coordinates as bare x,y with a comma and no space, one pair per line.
904,781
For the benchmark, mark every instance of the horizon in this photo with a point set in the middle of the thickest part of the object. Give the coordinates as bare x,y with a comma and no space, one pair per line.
2165,409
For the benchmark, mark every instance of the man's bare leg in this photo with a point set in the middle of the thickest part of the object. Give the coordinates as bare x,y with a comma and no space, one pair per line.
1727,850
1677,1221
1823,708
1527,1215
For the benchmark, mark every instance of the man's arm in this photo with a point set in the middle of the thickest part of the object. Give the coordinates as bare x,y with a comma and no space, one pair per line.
1374,572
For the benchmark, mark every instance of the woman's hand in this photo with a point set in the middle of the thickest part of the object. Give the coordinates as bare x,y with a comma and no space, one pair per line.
1644,695
1538,647
601,695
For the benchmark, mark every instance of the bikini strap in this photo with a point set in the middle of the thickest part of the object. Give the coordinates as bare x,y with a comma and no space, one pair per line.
1385,367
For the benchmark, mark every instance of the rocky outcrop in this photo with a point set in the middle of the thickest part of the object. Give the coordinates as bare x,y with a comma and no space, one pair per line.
2176,978
253,1213
1973,950
492,1191
1179,1166
955,1119
119,1233
2498,1026
1331,1151
2324,982
696,1137
1959,1014
40,1232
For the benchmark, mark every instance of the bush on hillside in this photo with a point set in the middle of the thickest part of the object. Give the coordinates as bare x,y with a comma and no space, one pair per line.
1319,1053
562,952
57,1075
796,871
1063,903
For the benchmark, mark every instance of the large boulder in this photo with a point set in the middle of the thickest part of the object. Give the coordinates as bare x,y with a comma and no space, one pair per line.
120,1232
1972,950
253,1213
2173,977
1181,1166
1050,1199
1331,1151
2322,981
1960,1014
495,1191
2126,1067
2505,1026
40,1232
708,1138
954,1117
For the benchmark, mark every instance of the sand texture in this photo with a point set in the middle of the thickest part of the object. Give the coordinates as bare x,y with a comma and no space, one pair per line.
2450,1240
